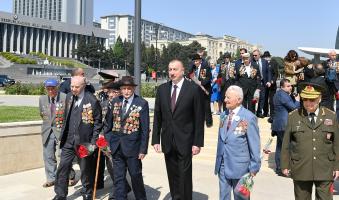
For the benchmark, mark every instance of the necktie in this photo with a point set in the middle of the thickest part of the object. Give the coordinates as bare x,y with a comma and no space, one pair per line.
124,107
312,115
75,99
174,97
52,106
229,122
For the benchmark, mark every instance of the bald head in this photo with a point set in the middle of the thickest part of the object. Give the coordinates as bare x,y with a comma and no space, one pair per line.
332,54
78,84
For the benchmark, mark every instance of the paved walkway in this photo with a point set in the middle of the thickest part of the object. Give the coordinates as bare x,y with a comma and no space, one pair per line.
268,186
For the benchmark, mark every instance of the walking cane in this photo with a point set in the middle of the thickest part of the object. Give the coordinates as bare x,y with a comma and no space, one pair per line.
96,174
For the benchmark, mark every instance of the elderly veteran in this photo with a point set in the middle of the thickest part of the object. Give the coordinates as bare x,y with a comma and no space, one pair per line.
238,151
51,108
310,147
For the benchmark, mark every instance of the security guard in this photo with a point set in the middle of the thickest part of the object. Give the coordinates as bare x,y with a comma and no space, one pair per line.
310,147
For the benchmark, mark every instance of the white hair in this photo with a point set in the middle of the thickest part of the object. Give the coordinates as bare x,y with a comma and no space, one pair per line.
237,90
332,51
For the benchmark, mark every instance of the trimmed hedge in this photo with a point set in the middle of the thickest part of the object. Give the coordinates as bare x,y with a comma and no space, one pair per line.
147,89
17,59
63,62
25,89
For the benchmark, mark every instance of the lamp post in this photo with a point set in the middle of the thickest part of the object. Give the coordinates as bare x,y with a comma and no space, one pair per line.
99,57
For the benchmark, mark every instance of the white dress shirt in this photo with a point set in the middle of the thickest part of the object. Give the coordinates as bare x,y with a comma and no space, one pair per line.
80,98
179,86
235,112
129,102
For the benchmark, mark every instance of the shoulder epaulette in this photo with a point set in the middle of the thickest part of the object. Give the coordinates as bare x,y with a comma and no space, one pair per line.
293,111
329,110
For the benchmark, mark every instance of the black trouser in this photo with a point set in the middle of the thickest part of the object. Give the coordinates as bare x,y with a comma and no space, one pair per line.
134,165
208,112
86,166
179,173
303,190
247,102
271,93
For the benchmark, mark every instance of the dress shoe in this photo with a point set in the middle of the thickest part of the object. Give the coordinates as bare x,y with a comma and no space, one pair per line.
260,115
72,182
87,197
59,198
270,120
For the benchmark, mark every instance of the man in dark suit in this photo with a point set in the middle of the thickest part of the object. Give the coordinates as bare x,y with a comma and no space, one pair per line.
240,61
65,86
265,82
283,104
202,76
82,125
248,78
128,126
179,124
273,66
227,78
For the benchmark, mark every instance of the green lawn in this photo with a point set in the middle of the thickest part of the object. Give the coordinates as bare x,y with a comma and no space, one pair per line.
18,113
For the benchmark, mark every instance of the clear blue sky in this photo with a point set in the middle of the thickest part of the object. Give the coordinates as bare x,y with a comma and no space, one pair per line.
279,25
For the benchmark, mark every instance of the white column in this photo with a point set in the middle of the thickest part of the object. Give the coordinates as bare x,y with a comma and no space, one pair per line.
60,44
43,42
66,45
49,42
18,42
31,39
11,45
37,40
76,44
4,47
71,35
55,43
24,47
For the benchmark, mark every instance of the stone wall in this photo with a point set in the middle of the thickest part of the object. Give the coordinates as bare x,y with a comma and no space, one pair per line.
20,147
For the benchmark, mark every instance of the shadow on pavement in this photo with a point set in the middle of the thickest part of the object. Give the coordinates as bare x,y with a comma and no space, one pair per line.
196,196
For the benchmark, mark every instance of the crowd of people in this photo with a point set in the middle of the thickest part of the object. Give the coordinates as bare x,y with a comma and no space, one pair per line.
301,111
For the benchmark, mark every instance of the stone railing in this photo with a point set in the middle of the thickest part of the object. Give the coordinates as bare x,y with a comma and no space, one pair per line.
20,146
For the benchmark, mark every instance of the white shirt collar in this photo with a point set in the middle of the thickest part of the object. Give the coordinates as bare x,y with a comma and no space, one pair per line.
235,110
179,84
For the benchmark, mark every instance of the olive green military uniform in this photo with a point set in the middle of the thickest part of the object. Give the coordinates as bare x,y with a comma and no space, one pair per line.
311,152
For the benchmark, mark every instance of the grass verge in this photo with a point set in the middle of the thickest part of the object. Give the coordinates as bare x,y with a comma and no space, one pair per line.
18,113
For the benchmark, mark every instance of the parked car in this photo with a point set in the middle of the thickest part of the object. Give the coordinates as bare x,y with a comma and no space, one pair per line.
3,82
6,80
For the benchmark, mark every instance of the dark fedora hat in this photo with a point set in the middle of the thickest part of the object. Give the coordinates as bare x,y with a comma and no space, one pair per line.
227,55
127,81
112,85
266,54
196,57
108,74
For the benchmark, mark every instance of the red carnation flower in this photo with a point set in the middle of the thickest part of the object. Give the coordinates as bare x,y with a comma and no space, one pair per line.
101,142
82,151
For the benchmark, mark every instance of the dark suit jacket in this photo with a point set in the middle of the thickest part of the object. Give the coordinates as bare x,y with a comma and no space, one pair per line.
86,132
248,83
65,87
266,73
273,65
136,141
185,126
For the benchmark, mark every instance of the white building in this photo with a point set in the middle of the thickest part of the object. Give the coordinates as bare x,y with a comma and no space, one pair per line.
22,34
214,46
123,26
78,12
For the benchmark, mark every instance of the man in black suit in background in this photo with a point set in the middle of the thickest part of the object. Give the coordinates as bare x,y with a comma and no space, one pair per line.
82,125
179,124
202,76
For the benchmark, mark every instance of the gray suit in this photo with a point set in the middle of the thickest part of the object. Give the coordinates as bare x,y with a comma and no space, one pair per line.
50,132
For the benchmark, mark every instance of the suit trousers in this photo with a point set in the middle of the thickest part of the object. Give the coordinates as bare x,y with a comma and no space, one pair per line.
134,166
280,136
179,173
50,161
247,102
271,93
208,112
227,185
303,190
262,97
86,169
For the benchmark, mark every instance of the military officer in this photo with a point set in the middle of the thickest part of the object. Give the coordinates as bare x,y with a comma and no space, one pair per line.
310,146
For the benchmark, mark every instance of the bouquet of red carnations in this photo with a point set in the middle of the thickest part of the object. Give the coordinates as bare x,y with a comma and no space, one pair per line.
103,145
244,186
85,149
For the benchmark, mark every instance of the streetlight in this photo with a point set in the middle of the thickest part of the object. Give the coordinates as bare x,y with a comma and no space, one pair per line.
99,59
